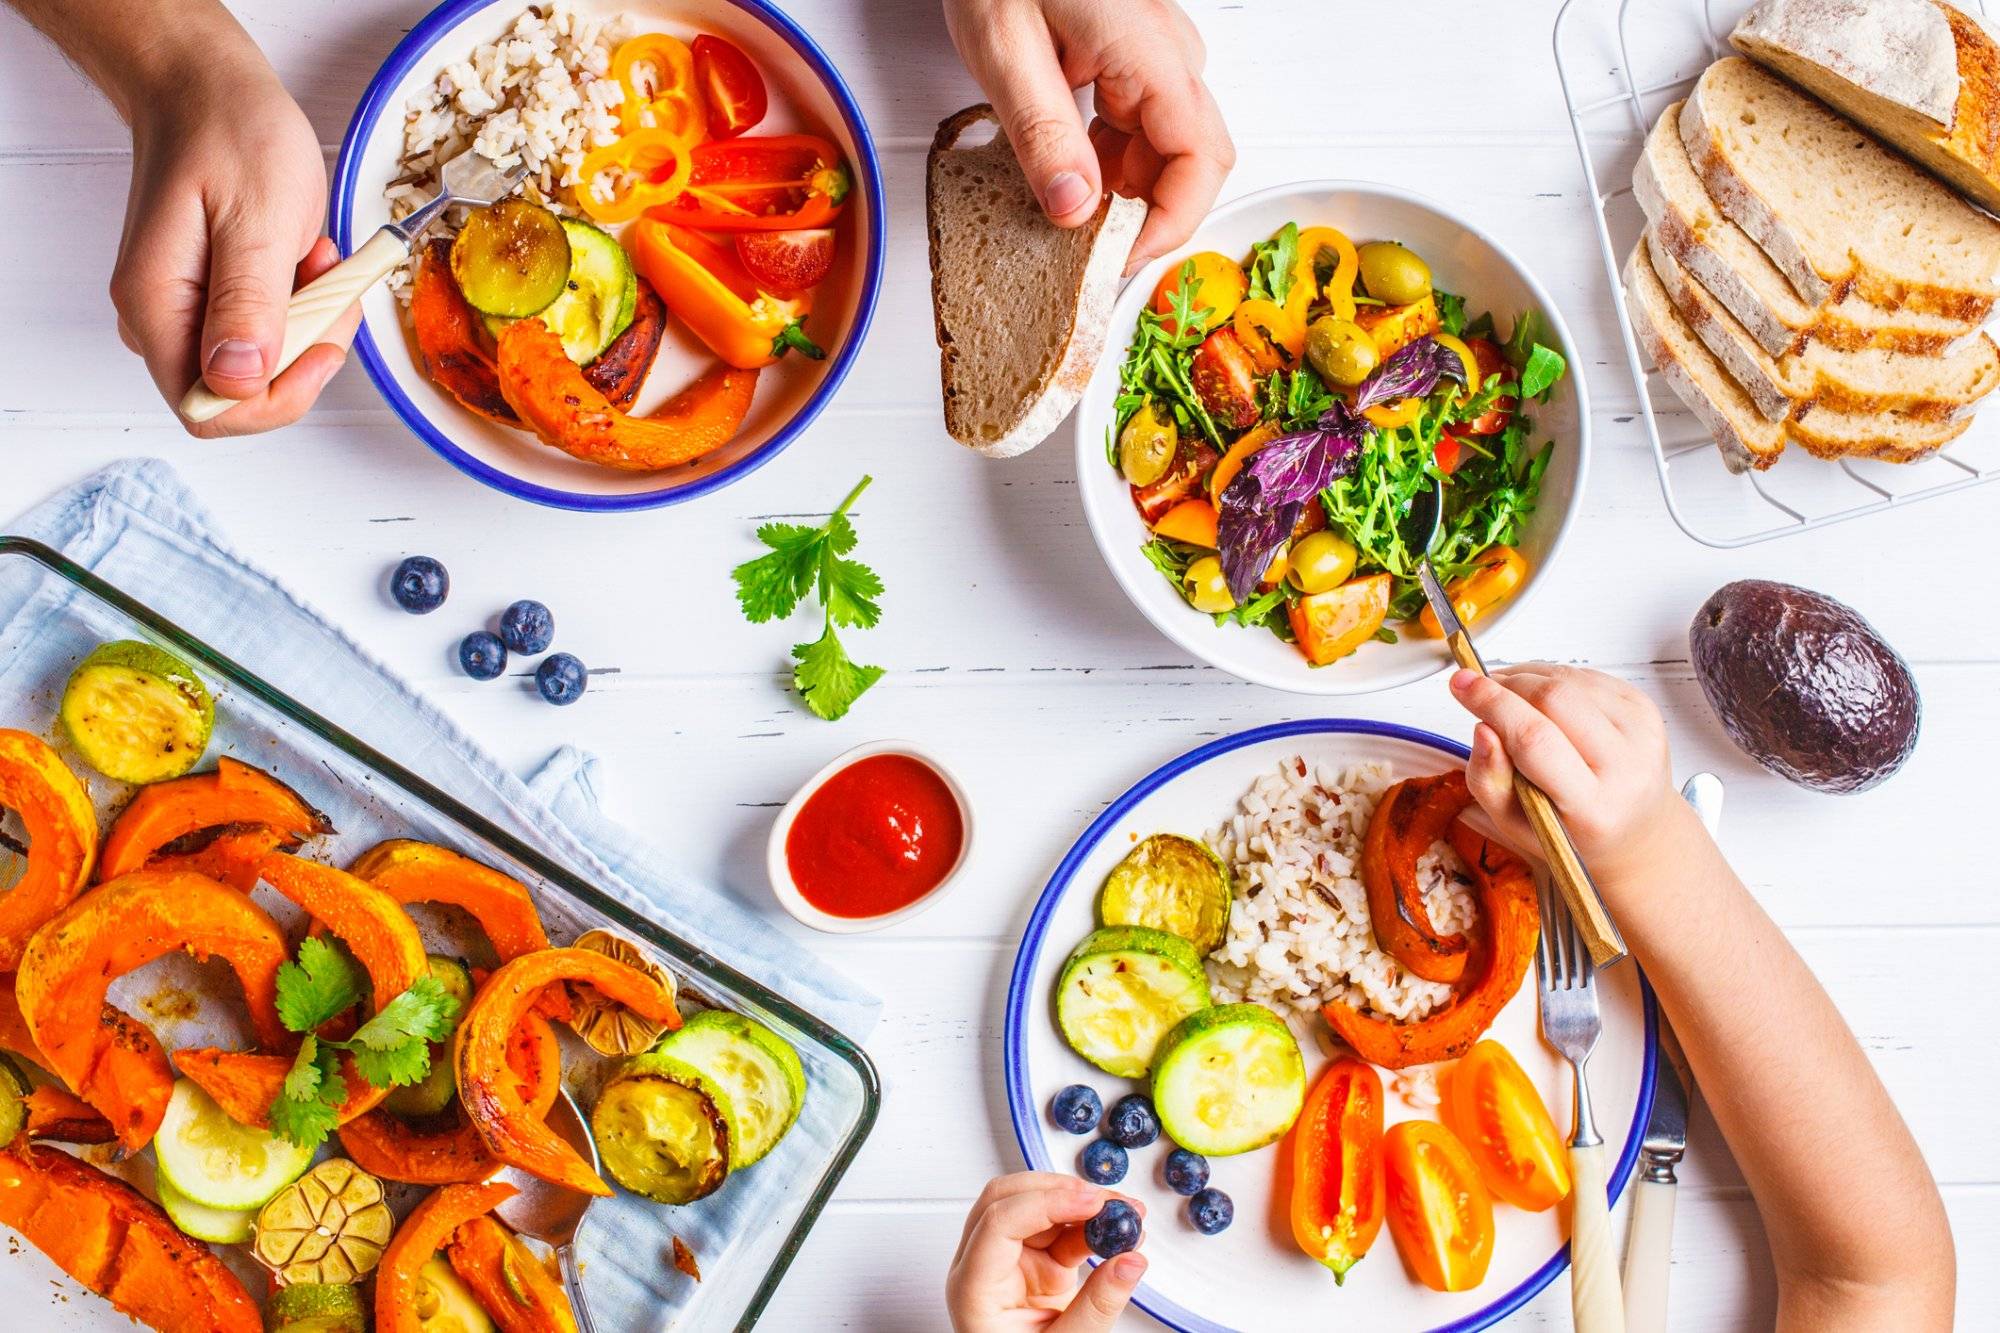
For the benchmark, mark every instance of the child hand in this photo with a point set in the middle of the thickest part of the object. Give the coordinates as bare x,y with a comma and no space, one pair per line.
1017,1259
1594,744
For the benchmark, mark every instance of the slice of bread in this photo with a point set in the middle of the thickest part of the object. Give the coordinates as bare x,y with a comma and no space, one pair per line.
1923,388
1918,73
1742,277
1022,305
1830,206
1746,437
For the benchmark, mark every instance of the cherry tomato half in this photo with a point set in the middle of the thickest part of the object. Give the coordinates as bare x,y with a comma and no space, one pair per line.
1494,419
1337,1166
1438,1209
1494,1109
787,263
731,86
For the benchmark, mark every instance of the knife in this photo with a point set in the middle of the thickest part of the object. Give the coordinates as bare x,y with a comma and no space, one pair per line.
1649,1246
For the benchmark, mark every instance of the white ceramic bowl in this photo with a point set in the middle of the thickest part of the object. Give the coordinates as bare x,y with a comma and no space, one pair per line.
1463,260
778,867
807,94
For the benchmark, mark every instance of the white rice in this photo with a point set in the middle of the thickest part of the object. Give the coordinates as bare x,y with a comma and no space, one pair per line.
542,94
1300,934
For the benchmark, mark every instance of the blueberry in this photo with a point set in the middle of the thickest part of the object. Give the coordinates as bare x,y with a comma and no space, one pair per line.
1211,1211
482,655
527,627
560,678
419,585
1076,1109
1114,1230
1103,1162
1131,1123
1186,1171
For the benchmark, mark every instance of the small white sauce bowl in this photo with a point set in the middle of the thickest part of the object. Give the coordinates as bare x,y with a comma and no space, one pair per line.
778,865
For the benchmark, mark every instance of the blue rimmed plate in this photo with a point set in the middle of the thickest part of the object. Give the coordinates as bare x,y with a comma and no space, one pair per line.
807,94
1253,1276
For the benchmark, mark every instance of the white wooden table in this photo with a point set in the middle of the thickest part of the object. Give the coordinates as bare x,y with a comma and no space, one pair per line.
1009,648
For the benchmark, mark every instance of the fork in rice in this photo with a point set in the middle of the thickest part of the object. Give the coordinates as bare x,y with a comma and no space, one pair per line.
1571,1024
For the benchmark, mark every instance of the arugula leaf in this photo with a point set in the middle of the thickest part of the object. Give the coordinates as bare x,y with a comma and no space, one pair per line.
322,983
1259,610
1545,366
1271,265
1527,331
827,678
1451,311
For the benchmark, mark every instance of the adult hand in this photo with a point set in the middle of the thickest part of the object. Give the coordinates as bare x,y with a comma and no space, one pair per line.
1158,134
1017,1258
223,223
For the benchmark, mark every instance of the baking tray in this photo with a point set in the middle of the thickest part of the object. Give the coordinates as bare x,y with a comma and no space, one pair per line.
744,1244
1620,66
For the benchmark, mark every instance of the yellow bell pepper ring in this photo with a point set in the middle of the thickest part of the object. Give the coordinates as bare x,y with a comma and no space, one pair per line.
1500,573
624,178
1265,328
656,73
1339,288
1401,413
1465,357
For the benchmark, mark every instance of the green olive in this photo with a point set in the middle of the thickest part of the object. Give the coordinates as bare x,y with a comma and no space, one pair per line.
1394,274
1147,445
1341,351
1206,588
1321,561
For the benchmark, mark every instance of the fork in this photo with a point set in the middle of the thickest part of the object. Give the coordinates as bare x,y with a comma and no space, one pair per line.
1570,1023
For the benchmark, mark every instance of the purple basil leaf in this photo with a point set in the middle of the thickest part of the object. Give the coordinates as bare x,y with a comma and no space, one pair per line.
1251,533
1412,372
1261,505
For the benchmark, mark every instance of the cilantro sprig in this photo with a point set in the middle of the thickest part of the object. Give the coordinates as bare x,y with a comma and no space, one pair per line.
813,560
390,1050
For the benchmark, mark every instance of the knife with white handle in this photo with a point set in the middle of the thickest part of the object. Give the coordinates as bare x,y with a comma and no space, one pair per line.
1649,1245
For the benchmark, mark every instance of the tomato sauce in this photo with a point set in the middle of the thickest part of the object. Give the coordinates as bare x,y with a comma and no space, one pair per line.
878,835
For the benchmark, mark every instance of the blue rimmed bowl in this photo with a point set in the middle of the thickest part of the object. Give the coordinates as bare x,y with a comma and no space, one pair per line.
807,94
1254,1276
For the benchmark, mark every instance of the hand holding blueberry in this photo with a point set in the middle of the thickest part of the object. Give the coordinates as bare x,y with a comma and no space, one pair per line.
1017,1259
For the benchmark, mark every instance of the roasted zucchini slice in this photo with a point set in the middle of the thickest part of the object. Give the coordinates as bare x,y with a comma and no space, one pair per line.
319,1307
14,1090
511,258
1173,884
216,1162
758,1069
661,1129
598,300
137,713
1122,990
1229,1080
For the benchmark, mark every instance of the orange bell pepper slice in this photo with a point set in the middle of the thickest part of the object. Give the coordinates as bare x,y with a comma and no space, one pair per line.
657,73
627,176
1339,288
1337,1196
706,285
1267,329
1501,572
1190,521
1248,443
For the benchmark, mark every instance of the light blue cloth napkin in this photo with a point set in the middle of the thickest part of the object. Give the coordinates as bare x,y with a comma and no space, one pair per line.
138,526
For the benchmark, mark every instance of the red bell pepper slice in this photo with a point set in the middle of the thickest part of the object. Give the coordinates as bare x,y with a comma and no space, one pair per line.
783,182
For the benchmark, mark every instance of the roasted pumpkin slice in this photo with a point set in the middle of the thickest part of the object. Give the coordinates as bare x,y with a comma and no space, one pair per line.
119,928
234,793
133,1060
1501,948
520,1294
65,1117
487,1088
418,872
228,853
55,808
245,1083
428,1229
117,1243
1409,819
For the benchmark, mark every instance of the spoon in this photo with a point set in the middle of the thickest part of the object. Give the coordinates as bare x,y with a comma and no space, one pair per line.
1419,530
551,1213
468,178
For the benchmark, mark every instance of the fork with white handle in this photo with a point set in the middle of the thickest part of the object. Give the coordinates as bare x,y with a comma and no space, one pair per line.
1570,1023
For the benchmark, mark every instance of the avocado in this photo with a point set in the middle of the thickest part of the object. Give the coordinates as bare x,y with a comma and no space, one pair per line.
1805,685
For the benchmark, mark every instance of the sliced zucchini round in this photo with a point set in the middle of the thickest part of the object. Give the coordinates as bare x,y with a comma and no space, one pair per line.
758,1069
318,1307
511,258
213,1160
137,713
598,300
1173,884
1122,990
434,1091
14,1090
1229,1080
224,1226
661,1129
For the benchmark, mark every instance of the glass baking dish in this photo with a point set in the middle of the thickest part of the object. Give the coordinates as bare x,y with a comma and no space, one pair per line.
743,1245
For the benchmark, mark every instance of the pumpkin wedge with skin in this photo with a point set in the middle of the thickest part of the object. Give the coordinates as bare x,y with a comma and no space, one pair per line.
515,1289
1410,817
230,854
64,1117
117,1243
419,872
1505,942
245,1083
62,838
428,1229
447,1149
492,1097
234,793
119,928
134,1059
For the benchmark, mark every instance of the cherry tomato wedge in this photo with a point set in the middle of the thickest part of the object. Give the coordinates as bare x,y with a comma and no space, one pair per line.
1494,1109
787,263
1337,1193
1449,451
731,86
1438,1209
1494,419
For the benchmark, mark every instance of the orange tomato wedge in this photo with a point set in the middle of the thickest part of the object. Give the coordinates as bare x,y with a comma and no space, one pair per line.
1337,1196
1501,572
1438,1209
1190,521
1491,1104
1329,625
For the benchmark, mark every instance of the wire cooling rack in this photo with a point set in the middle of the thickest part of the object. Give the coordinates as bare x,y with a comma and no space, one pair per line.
1620,66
